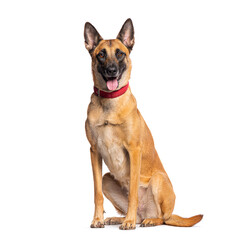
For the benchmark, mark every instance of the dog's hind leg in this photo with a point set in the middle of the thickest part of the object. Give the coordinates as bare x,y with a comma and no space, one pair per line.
118,196
160,189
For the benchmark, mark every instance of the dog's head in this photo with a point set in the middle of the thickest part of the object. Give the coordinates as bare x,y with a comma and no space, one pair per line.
111,64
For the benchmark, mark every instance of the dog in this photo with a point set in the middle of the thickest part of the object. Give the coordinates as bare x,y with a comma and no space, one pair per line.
137,184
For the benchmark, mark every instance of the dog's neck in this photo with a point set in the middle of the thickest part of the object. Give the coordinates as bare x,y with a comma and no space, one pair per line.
115,105
112,94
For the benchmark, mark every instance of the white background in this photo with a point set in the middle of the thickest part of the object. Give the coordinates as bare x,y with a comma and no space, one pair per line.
183,78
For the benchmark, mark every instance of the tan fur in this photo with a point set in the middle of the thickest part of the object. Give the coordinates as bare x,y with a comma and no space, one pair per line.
137,184
110,48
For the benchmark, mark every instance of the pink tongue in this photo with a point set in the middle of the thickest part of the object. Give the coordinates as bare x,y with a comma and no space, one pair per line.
112,84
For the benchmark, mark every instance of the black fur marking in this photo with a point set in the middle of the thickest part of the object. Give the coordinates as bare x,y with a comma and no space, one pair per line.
101,56
102,69
120,55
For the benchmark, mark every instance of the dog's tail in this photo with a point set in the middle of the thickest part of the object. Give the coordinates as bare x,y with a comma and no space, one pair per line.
178,221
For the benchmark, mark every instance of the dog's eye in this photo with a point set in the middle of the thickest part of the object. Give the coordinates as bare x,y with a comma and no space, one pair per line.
119,54
101,55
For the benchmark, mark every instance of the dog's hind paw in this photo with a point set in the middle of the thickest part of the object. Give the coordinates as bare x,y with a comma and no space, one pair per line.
150,222
114,220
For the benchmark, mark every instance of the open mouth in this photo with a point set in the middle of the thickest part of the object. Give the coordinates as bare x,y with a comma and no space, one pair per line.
112,82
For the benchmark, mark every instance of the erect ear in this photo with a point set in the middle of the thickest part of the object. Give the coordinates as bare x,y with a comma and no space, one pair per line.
92,37
126,34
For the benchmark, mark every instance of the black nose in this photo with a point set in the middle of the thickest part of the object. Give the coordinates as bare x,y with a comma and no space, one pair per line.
111,70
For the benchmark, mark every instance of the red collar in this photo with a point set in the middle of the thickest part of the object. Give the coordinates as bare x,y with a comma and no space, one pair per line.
113,94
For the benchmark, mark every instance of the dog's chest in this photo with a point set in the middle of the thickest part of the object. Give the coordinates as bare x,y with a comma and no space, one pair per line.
112,151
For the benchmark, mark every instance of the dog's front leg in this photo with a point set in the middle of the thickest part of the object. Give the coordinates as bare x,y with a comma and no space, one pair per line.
130,220
96,160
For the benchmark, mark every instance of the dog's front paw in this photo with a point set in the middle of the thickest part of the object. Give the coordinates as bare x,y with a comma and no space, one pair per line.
97,223
127,225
